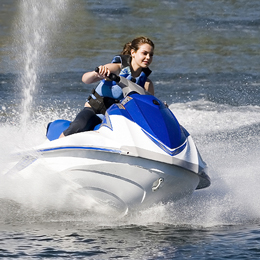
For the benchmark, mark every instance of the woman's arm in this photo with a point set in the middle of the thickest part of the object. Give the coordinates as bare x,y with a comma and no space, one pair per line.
148,86
92,76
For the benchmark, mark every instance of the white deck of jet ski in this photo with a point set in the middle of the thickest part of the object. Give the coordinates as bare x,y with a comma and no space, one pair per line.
127,138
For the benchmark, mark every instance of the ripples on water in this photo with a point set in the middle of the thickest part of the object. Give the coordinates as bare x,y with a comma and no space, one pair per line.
156,241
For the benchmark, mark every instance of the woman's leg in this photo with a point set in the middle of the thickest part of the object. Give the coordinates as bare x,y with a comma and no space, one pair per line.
85,120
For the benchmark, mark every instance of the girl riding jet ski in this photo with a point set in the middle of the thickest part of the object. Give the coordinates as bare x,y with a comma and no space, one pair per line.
133,64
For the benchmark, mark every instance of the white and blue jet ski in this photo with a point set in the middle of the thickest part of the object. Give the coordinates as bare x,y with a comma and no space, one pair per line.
138,156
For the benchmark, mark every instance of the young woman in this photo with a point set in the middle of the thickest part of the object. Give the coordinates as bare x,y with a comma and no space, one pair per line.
132,64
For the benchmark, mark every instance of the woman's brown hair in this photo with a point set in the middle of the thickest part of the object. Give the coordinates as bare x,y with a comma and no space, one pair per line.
135,45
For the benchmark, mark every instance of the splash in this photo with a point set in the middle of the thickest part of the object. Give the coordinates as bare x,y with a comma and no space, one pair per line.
36,30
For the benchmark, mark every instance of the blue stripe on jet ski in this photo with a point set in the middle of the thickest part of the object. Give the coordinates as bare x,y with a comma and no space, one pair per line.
79,148
171,152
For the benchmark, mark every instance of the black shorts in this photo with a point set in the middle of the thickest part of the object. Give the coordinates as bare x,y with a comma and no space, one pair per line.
86,120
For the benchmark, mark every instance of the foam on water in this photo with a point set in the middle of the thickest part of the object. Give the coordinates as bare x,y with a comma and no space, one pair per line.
217,118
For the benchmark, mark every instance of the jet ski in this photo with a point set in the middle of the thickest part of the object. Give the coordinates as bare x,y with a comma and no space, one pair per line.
138,156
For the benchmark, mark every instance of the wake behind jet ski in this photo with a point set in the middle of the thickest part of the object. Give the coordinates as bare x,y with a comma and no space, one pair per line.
139,155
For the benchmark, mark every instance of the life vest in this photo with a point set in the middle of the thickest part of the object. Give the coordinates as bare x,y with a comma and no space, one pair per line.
110,89
108,92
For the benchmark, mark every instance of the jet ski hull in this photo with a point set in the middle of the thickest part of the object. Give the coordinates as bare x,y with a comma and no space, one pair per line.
119,181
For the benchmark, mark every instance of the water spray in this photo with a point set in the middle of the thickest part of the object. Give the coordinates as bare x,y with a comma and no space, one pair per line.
36,30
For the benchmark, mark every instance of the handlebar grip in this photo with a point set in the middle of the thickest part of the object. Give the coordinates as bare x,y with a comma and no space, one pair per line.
111,76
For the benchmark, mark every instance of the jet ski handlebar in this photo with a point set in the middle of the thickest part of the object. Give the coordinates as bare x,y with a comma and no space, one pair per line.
111,76
126,85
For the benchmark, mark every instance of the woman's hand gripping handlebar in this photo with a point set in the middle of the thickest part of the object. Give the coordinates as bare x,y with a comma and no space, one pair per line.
111,76
127,86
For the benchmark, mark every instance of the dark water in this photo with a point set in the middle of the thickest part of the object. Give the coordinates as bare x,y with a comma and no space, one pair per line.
157,241
206,67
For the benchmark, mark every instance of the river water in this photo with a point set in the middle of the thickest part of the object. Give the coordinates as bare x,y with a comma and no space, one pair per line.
206,67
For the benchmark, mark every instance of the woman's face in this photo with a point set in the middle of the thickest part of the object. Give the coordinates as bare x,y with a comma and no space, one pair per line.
143,56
